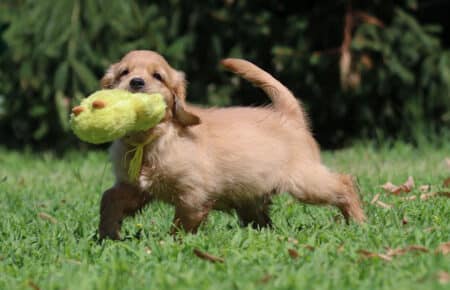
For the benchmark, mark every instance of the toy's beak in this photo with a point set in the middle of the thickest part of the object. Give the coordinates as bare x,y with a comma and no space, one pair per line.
77,110
98,104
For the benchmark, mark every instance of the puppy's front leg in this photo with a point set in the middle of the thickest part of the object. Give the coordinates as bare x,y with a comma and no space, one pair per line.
118,202
188,217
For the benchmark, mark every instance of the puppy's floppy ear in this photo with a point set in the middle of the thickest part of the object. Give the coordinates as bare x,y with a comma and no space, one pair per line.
184,117
180,113
109,78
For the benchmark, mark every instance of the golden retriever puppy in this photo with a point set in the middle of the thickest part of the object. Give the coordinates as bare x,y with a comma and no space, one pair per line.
217,158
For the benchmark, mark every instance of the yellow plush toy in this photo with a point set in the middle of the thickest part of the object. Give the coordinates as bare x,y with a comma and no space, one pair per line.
108,115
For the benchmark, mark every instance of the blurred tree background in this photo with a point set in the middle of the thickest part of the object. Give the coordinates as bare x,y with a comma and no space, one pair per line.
364,69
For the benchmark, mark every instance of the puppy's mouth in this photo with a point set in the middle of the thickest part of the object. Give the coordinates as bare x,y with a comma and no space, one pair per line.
140,90
145,90
140,136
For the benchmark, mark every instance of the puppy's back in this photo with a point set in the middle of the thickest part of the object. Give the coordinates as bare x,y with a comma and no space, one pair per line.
254,139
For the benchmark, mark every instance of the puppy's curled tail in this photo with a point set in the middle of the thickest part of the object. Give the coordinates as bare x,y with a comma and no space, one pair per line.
282,98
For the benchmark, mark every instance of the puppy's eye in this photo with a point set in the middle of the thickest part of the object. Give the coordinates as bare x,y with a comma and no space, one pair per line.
158,76
124,72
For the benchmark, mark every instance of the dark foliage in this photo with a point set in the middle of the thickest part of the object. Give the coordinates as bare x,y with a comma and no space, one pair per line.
390,78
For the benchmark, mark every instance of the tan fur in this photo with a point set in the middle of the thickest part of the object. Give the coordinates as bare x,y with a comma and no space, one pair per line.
220,158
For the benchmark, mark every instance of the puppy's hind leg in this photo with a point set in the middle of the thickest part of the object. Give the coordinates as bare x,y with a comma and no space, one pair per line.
317,185
256,214
351,207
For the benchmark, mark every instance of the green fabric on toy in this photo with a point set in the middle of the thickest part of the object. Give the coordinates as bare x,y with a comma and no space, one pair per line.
108,115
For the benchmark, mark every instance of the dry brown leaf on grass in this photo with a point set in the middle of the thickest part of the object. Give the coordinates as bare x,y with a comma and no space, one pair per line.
293,253
426,196
309,247
292,240
208,257
405,220
425,188
443,248
444,193
33,285
407,186
367,254
416,248
47,217
390,253
401,251
408,198
383,205
389,186
375,198
443,277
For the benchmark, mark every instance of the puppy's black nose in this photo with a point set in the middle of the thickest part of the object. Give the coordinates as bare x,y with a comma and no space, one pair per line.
137,83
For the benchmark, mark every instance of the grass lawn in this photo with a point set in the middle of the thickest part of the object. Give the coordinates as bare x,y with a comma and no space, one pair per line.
49,215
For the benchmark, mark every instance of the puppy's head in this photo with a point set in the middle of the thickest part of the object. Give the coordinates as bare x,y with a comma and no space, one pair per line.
148,72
